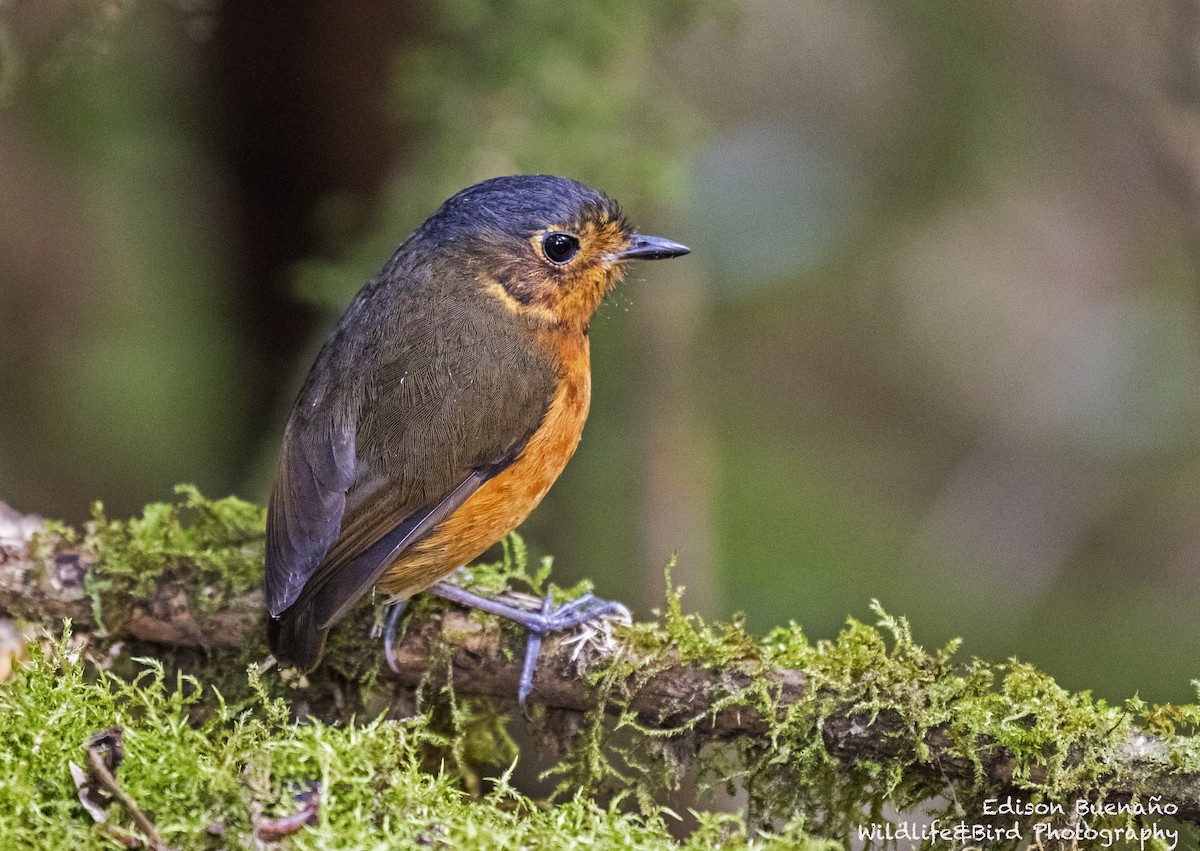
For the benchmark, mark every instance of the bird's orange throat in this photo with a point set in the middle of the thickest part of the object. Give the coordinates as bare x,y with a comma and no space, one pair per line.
504,501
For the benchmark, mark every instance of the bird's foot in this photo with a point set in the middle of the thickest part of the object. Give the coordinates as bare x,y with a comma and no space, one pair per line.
391,620
584,609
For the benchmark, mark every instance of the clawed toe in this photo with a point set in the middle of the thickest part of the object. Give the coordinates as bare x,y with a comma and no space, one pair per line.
390,624
581,610
540,623
573,613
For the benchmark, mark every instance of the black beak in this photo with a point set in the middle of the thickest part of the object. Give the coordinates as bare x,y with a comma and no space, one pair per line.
652,248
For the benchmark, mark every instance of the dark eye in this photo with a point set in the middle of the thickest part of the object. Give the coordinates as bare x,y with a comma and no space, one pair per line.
559,247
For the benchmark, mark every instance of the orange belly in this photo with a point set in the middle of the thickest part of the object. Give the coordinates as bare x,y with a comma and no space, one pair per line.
504,501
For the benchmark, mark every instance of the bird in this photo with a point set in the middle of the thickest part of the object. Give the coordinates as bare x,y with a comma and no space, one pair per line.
443,406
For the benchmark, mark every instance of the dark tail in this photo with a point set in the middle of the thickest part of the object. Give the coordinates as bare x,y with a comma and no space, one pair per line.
295,639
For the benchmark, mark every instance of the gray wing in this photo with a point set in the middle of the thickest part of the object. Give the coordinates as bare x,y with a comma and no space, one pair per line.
306,508
451,398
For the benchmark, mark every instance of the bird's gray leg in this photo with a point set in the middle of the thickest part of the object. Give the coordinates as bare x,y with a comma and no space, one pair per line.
394,610
539,623
533,647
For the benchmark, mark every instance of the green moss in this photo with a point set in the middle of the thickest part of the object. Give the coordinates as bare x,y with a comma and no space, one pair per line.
513,569
216,546
201,782
1058,746
206,751
697,642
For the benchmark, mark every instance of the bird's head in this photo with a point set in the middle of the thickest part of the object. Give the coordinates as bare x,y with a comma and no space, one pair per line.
547,247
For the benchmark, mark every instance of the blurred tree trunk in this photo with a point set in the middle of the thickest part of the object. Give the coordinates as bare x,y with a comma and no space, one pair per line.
303,95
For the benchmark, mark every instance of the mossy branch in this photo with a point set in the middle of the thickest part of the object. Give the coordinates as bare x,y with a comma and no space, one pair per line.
751,699
826,728
155,579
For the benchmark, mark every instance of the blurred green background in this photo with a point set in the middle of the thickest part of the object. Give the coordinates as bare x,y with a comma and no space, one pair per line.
937,344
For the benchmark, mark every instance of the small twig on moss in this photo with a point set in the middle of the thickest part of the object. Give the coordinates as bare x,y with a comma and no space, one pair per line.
104,753
273,829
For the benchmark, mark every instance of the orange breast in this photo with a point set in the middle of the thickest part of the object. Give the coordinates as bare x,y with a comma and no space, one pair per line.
505,500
